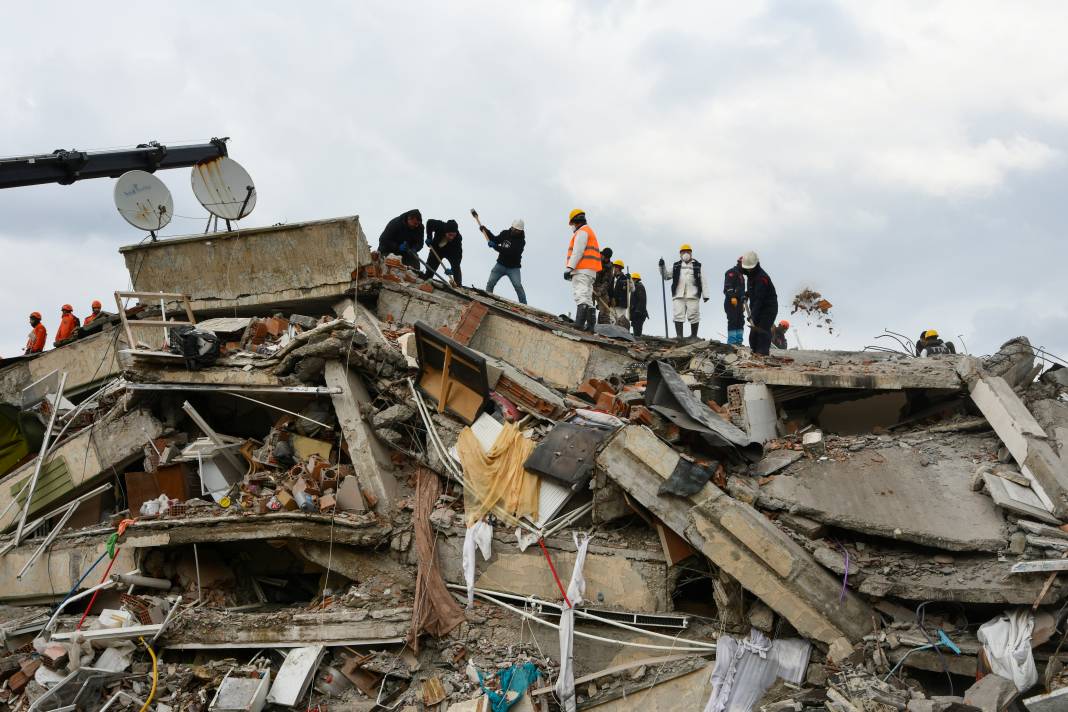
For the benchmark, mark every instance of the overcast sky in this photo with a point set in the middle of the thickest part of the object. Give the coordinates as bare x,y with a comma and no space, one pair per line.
905,159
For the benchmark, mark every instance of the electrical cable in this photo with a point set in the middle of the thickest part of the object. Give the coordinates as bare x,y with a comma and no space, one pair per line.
155,674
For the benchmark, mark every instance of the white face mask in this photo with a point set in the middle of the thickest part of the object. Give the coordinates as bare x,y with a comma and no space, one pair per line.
686,257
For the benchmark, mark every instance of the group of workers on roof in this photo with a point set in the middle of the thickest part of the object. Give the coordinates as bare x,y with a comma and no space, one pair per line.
68,323
603,289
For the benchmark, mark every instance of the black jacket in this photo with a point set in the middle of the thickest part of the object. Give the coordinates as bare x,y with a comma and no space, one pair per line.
453,251
763,301
397,233
676,272
509,245
734,284
619,290
637,302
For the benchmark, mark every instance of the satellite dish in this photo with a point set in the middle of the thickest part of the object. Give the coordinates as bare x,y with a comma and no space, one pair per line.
144,200
224,188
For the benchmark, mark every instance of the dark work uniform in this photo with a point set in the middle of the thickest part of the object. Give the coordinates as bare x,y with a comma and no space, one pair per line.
778,337
763,308
399,239
619,290
734,288
453,250
934,347
638,313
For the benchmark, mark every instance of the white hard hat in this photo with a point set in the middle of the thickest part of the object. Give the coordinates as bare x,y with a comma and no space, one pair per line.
750,260
517,224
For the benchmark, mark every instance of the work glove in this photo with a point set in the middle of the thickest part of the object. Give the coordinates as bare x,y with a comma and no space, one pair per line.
492,244
403,247
448,272
567,274
706,299
661,261
734,301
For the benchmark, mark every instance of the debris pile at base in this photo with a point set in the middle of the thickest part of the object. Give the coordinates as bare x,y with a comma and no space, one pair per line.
340,487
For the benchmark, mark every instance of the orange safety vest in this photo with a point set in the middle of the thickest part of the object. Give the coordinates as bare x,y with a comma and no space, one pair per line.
36,342
591,256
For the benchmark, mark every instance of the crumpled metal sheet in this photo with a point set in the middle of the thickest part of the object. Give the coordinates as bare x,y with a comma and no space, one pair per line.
567,453
687,478
667,394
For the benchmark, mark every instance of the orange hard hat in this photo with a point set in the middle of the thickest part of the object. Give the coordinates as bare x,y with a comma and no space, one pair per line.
784,324
35,315
96,304
67,307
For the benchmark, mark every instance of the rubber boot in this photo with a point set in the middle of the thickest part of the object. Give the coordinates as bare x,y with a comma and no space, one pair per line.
580,317
678,329
591,319
693,331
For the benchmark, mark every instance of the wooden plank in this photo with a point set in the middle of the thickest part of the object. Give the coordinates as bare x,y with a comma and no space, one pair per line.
1027,567
676,548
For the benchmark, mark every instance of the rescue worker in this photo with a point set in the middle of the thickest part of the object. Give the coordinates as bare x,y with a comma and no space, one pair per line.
688,287
67,324
931,345
402,236
35,343
638,312
509,246
602,288
582,266
445,243
95,313
620,293
763,303
734,303
778,335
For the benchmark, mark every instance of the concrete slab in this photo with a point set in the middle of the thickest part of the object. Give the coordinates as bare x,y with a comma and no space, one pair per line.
738,539
888,492
253,268
685,692
339,626
55,572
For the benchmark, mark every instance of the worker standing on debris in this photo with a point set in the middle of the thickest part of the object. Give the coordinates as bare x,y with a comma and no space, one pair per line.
734,303
620,292
638,312
582,266
95,313
403,235
445,243
930,344
509,246
602,288
778,335
35,343
67,324
688,287
763,303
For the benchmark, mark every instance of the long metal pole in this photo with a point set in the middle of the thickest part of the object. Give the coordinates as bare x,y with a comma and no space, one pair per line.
663,293
40,458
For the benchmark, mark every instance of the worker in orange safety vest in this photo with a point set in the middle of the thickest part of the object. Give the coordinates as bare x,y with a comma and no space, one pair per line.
581,268
97,306
35,343
67,324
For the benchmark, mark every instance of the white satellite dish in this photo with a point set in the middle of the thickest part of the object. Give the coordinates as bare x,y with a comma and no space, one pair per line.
224,188
144,200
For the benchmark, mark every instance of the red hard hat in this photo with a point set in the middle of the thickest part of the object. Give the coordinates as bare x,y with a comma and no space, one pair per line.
35,315
97,304
784,324
67,307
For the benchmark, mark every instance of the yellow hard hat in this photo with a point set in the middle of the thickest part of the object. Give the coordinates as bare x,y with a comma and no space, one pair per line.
930,334
617,263
635,275
685,247
575,212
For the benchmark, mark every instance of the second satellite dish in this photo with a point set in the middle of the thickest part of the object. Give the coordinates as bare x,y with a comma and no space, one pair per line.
224,188
143,200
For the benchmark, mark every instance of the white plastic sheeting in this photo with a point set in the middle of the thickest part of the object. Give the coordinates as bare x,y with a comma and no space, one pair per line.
576,589
1007,641
746,669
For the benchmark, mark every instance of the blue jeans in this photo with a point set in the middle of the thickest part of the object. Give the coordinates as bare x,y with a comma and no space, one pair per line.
512,273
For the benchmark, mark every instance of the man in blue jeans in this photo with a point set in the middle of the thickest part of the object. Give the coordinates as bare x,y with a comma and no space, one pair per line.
509,245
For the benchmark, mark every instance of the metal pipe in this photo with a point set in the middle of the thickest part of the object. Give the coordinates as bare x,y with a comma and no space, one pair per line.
143,581
278,408
48,539
40,458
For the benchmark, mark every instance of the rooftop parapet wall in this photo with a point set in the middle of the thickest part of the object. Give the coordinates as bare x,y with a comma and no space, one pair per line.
253,267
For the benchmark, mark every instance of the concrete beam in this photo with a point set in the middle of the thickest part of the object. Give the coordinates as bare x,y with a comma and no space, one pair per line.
1021,434
339,626
298,526
55,572
282,265
369,456
738,539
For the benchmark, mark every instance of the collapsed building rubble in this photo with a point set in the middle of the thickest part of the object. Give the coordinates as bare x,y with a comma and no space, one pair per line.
330,483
